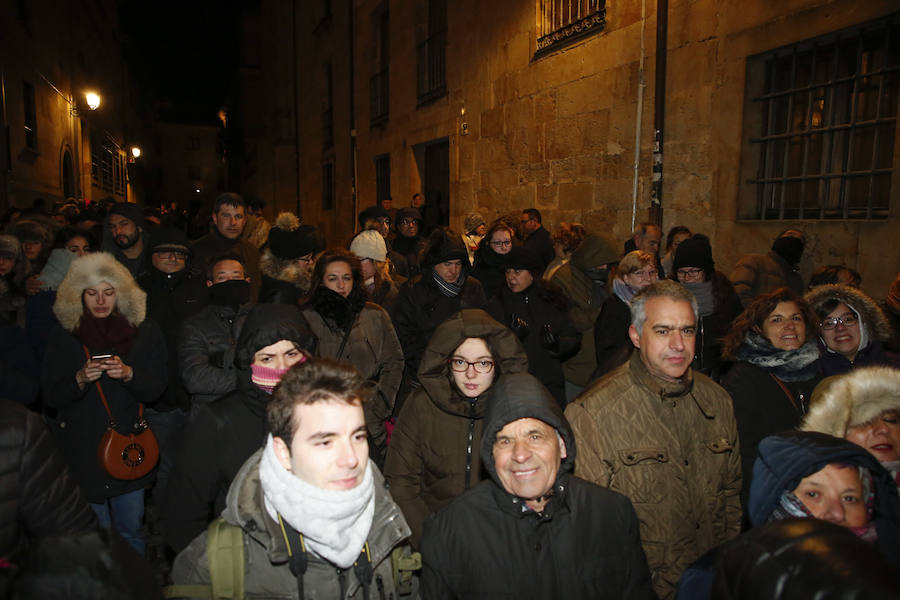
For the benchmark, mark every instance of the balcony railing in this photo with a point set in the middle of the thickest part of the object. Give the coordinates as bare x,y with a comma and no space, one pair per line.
379,95
432,68
564,21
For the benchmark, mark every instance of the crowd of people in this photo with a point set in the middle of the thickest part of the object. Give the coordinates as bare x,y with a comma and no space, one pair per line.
399,415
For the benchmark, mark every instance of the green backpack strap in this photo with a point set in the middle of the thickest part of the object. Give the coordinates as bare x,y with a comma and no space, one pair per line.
225,555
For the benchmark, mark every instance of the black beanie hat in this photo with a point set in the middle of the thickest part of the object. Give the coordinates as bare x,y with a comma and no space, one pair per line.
167,238
288,239
694,252
520,257
373,212
129,210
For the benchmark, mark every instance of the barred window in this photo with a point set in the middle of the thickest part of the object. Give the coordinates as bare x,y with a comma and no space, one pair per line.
379,89
822,117
107,165
564,21
431,55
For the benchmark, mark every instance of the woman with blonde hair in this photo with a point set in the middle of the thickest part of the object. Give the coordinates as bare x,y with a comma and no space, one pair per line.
612,345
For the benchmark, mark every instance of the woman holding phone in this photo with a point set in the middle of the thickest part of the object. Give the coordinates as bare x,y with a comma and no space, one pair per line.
103,349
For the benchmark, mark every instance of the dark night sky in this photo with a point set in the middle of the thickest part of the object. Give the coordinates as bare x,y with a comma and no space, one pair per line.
182,53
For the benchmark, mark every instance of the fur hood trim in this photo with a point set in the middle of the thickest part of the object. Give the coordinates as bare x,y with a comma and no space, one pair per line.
876,324
843,402
283,270
91,270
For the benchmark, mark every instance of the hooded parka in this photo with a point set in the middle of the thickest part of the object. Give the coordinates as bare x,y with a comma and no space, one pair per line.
873,325
585,543
267,572
434,452
221,435
82,419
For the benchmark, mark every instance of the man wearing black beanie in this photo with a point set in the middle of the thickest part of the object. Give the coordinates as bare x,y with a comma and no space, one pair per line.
757,274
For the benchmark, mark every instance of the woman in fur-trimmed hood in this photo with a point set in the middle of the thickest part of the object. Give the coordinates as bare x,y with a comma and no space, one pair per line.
862,406
287,261
852,328
103,342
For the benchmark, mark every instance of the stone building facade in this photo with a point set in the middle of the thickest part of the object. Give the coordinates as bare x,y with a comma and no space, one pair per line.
362,99
52,146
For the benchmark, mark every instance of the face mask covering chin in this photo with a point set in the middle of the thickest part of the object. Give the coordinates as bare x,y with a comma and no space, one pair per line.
233,292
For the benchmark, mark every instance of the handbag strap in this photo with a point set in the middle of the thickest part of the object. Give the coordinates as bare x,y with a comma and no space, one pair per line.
787,392
87,353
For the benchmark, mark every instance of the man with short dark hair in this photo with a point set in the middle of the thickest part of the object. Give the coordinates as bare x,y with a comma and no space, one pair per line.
315,517
229,218
562,537
665,436
646,238
124,236
207,341
534,237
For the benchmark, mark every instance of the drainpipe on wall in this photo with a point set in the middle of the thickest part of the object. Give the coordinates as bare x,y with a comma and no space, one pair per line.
296,110
659,113
354,198
5,160
638,120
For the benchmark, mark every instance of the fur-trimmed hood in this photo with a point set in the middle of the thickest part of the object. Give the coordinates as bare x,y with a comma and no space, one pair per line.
843,402
873,319
284,270
90,270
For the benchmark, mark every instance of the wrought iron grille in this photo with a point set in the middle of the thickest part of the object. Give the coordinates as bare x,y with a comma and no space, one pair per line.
431,66
563,21
828,124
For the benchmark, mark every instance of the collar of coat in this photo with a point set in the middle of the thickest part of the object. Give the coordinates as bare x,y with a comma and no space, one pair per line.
667,390
516,507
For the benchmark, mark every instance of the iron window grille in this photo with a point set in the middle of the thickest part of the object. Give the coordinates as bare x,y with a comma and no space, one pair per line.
108,165
431,55
564,21
827,117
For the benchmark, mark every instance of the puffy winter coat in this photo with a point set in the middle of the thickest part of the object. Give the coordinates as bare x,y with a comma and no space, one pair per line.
541,307
267,572
788,457
672,448
38,495
757,274
434,452
372,347
206,348
585,298
585,542
82,419
222,434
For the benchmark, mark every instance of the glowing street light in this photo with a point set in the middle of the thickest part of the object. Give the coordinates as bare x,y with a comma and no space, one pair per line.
93,100
135,152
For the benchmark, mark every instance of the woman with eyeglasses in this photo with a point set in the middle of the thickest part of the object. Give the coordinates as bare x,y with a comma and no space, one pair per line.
776,369
694,268
433,455
489,267
612,345
852,328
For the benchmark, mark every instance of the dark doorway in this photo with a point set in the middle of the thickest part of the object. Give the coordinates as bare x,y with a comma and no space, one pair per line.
436,184
68,175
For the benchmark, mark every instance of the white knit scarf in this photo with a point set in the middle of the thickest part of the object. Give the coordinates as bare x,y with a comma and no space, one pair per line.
335,524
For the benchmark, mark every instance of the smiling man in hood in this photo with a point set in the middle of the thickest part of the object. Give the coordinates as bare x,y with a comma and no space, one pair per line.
543,533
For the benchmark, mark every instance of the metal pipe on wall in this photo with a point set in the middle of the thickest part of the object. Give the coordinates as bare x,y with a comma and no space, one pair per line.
639,120
296,110
354,198
659,113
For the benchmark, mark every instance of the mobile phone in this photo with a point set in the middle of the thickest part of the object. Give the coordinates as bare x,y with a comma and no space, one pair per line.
101,356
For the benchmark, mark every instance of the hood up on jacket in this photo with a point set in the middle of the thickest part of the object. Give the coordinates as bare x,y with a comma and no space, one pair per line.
522,396
842,402
268,324
871,316
595,250
443,245
88,271
786,458
434,372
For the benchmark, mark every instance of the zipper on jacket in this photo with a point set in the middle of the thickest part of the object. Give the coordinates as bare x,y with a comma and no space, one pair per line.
469,445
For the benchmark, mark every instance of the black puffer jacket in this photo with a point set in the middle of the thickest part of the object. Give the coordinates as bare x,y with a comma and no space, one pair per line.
584,544
433,455
206,349
38,495
788,457
222,434
421,306
540,307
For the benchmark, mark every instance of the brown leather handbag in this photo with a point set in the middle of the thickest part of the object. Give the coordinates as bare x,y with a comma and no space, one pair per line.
128,456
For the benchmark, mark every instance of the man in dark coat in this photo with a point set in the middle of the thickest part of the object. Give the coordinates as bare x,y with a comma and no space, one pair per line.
533,530
229,219
443,288
535,237
409,242
125,237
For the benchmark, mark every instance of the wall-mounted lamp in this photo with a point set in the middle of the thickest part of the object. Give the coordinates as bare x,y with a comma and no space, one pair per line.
135,152
92,99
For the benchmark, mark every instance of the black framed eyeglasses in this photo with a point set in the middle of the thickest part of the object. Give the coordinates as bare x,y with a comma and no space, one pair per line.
460,365
847,320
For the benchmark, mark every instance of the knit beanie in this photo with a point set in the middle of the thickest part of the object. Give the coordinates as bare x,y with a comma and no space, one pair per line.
369,244
168,238
288,240
373,212
129,210
520,257
473,221
694,252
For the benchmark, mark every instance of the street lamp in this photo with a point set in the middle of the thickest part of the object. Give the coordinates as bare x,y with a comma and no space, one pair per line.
135,152
93,100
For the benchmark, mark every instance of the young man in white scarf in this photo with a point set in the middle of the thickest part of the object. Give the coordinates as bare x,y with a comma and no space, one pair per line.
315,516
